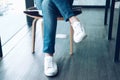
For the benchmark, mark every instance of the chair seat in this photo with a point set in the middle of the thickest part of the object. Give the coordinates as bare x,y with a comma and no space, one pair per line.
33,11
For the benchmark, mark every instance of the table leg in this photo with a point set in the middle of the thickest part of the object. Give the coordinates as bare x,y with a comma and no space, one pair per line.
111,20
117,47
106,11
0,49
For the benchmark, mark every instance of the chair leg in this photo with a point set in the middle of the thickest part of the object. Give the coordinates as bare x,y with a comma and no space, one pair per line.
33,34
71,40
42,29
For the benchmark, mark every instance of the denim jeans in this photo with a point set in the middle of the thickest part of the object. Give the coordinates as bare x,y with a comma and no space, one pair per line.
51,9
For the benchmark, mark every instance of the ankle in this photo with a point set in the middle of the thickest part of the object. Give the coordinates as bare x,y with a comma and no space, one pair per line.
48,54
76,25
73,19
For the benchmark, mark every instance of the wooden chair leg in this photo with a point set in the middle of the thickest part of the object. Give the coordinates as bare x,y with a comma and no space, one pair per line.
42,29
71,40
33,34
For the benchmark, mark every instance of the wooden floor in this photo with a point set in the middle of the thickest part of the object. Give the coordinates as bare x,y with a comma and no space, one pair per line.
92,59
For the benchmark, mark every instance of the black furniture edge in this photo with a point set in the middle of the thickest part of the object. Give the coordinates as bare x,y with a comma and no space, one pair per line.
111,20
33,11
0,49
117,46
106,11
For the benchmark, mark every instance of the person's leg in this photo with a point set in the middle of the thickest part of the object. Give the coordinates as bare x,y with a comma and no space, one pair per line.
65,8
38,4
49,11
50,24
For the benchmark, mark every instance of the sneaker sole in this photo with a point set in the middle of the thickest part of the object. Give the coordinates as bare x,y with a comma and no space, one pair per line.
81,39
50,75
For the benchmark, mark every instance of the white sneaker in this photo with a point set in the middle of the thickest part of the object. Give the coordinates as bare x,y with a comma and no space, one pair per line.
79,32
50,67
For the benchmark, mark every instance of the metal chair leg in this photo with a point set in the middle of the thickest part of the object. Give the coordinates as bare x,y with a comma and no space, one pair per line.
33,34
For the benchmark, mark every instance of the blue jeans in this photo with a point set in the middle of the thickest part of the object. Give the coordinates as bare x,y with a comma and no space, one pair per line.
51,9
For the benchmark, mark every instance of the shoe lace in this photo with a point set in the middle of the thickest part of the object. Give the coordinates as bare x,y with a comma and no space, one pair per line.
50,63
78,28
